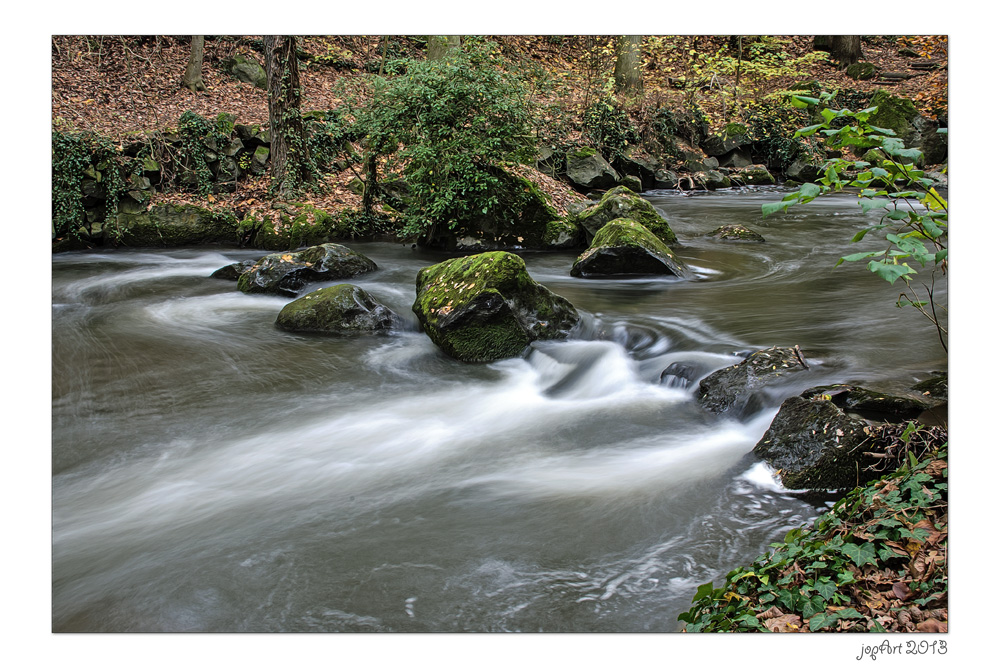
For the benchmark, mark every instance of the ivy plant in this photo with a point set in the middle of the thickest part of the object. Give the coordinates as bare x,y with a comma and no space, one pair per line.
913,216
874,563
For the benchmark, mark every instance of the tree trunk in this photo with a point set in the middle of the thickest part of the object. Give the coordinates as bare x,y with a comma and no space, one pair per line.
628,64
846,49
371,184
439,45
192,75
290,163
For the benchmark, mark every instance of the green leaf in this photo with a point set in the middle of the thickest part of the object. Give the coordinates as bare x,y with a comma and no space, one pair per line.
810,190
808,131
803,102
860,554
704,591
768,209
890,272
858,256
883,130
826,588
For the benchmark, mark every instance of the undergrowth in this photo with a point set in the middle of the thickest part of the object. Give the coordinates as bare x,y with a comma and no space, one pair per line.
876,562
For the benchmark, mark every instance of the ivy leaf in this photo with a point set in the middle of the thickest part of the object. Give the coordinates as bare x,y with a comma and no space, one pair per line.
860,554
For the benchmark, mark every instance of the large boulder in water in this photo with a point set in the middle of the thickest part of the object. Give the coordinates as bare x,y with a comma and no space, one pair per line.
341,309
620,202
831,437
740,389
486,307
288,273
625,247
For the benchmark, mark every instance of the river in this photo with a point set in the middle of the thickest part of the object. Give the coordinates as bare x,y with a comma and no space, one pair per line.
212,473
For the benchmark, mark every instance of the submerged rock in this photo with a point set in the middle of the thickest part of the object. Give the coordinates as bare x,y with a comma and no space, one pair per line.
486,307
736,233
337,309
738,389
625,247
620,202
288,273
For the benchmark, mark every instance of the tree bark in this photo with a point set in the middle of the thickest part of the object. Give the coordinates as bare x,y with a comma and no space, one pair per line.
438,46
845,49
192,75
290,163
628,64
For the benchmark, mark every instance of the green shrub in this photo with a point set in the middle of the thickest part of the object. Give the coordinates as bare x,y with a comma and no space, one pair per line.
609,127
446,124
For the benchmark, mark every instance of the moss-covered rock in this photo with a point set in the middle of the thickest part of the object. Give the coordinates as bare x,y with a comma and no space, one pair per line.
712,180
172,225
736,233
620,202
292,226
738,389
894,113
486,307
288,273
633,183
588,170
755,174
246,69
625,247
860,71
340,309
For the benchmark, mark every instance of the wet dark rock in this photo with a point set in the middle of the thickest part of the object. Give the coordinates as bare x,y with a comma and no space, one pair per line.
813,444
738,389
233,271
340,309
869,404
486,307
935,387
288,273
825,438
625,247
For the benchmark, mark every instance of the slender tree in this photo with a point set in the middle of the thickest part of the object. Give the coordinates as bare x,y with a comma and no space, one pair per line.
628,64
439,45
291,167
192,75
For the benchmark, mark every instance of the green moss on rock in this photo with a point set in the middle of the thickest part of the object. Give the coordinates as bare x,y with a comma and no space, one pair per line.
173,225
625,247
486,307
340,309
620,202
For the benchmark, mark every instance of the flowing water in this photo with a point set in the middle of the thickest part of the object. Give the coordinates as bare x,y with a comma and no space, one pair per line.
212,473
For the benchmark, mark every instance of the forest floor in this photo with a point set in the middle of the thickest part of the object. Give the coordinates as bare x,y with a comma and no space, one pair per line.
121,87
